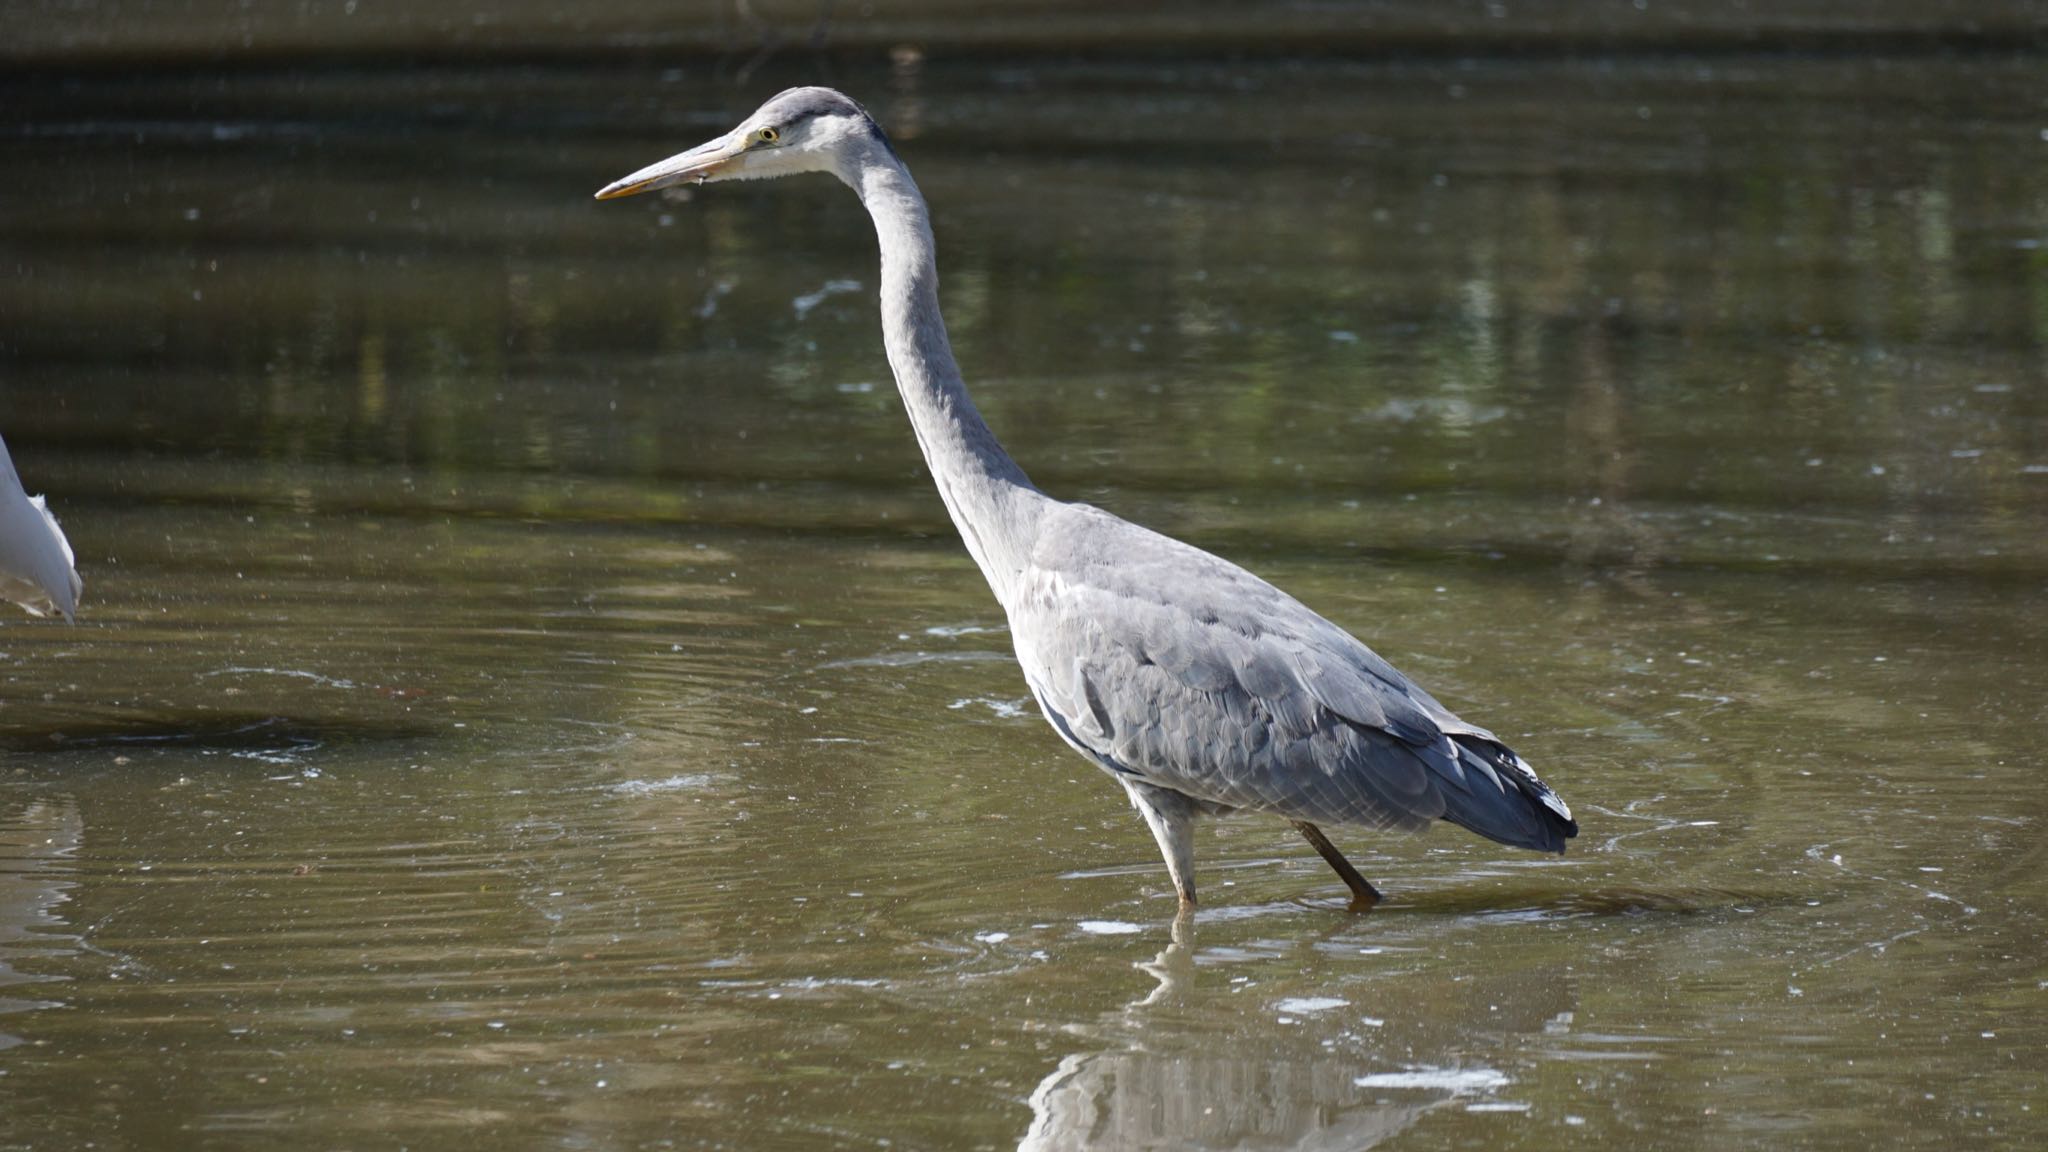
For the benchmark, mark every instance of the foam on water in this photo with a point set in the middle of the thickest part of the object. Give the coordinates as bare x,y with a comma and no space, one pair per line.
1109,927
1456,1081
1305,1005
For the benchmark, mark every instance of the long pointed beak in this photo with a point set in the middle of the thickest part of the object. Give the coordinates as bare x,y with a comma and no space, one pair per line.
704,162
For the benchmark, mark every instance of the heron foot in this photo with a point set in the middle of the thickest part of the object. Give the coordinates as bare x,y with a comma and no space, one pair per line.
1363,895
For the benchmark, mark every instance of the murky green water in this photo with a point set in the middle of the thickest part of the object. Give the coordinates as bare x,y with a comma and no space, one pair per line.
529,694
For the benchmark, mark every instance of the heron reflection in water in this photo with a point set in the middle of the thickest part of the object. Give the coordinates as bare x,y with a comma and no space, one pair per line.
1200,688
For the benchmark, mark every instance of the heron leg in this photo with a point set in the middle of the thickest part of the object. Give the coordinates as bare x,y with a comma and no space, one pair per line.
1363,895
1171,816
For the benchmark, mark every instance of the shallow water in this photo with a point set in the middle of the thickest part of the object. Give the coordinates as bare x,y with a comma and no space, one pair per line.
528,690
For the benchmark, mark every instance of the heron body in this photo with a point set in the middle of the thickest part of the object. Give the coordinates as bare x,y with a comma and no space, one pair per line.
36,566
1199,687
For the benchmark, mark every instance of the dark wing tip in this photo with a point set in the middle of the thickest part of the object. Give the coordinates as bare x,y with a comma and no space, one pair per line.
1521,812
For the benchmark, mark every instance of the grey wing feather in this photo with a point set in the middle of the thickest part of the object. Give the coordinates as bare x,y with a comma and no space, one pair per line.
1163,662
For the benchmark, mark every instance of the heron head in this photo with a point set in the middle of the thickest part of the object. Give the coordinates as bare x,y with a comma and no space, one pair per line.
800,130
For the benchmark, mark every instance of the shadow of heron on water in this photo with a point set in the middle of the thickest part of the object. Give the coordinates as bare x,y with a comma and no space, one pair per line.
1549,904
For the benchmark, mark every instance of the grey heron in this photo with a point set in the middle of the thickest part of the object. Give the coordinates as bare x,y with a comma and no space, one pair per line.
36,566
1200,688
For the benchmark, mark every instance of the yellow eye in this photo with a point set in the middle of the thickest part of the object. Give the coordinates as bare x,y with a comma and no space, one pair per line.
767,135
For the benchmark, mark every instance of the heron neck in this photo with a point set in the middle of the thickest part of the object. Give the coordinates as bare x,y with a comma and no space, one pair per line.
991,501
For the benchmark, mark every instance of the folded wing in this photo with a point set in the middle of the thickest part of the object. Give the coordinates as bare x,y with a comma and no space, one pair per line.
1163,662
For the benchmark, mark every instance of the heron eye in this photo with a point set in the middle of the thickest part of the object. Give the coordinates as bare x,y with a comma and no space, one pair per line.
767,135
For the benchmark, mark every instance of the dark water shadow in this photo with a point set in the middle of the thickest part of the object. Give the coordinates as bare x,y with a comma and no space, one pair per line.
211,732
